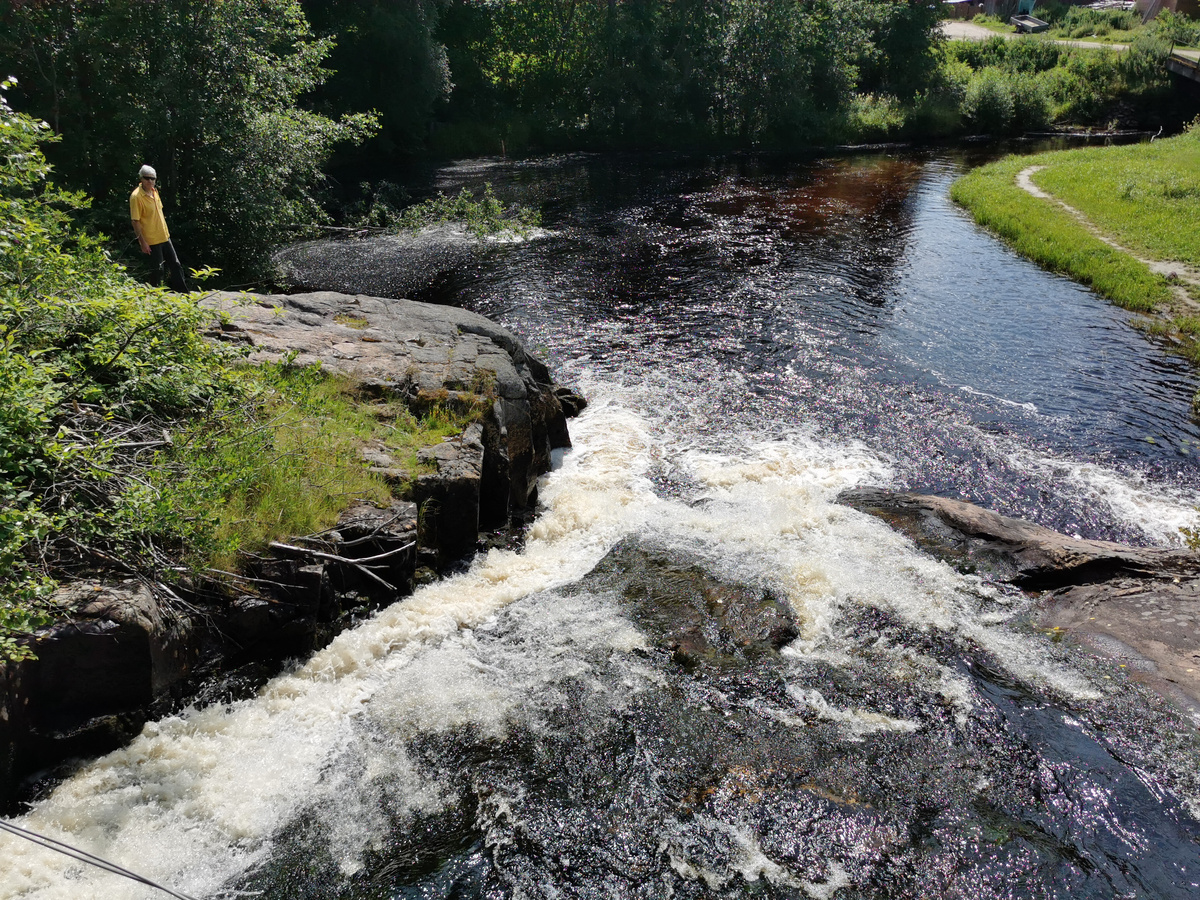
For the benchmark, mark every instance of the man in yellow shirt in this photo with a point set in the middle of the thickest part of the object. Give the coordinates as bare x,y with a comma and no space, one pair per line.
150,226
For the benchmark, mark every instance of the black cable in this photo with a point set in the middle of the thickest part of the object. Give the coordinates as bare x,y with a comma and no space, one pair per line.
85,857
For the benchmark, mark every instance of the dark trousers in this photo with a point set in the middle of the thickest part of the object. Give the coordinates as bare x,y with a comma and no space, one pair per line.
159,253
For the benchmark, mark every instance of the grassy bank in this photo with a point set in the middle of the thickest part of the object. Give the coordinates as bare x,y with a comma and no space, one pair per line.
131,447
1143,197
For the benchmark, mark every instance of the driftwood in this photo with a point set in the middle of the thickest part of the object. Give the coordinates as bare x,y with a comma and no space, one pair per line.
359,564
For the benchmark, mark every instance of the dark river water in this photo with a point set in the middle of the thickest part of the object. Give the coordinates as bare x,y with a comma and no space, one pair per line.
702,677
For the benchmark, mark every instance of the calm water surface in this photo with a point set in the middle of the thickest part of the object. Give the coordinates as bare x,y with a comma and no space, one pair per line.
614,711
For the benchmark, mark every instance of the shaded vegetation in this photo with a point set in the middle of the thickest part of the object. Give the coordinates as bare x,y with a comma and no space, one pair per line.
484,217
208,93
244,105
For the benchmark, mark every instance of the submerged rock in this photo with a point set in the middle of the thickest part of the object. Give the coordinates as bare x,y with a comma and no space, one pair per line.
690,612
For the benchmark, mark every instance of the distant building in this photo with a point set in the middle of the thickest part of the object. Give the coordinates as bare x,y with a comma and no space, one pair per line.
1150,8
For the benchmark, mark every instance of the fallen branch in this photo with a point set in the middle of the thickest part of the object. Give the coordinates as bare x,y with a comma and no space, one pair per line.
353,563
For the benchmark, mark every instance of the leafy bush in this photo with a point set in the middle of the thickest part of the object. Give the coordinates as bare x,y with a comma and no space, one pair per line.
83,350
1009,56
988,103
1143,66
1177,29
1032,107
1080,22
875,117
482,217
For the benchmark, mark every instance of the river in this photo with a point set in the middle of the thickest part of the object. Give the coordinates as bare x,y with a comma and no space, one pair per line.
754,335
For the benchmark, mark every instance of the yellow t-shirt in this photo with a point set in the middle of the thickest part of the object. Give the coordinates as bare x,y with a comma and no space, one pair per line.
148,210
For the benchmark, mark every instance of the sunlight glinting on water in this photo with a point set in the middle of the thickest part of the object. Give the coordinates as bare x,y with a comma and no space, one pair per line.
196,800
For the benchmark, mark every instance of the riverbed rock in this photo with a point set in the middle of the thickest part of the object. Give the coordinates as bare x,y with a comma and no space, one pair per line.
1014,550
699,618
424,354
1137,605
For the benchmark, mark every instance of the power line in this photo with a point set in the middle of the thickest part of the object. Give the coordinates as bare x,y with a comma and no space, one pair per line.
85,857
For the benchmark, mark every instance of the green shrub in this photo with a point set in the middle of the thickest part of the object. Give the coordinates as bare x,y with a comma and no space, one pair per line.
86,355
1177,29
1031,105
1031,56
998,102
482,217
988,103
1143,66
875,117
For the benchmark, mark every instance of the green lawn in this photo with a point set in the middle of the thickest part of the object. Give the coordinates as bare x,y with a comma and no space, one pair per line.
1145,197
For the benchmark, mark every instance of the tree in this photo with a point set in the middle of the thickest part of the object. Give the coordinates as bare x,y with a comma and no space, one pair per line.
206,92
386,58
646,72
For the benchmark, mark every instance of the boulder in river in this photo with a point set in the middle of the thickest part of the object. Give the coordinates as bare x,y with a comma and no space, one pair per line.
1138,605
405,264
425,354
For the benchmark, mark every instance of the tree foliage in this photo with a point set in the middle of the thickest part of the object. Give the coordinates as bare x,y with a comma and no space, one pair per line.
385,57
206,92
651,71
84,351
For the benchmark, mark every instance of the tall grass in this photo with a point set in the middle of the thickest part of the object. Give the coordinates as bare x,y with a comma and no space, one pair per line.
285,463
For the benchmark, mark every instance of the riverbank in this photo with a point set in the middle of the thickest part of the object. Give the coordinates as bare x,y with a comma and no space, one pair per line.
1123,220
119,646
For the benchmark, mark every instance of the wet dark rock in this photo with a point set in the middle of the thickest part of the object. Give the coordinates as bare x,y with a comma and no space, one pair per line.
1014,550
690,612
572,403
1137,605
449,497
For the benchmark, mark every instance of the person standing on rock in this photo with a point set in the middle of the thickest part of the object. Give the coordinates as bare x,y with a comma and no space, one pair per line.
150,226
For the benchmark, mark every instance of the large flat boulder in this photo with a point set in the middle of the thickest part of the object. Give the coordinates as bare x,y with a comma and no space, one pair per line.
425,354
1139,606
1014,550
